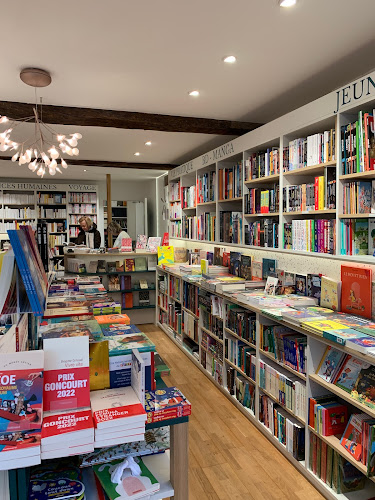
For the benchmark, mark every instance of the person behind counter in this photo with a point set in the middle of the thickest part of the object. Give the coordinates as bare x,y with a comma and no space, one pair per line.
116,230
88,227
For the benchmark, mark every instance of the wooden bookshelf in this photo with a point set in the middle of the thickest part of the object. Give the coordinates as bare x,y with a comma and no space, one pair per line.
263,180
271,356
239,198
205,203
238,369
231,332
312,170
301,420
342,394
356,216
190,312
212,334
311,212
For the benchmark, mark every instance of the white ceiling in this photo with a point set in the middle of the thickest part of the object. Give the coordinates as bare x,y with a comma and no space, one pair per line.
146,55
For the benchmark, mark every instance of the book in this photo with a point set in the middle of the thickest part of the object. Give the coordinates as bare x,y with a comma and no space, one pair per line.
226,259
235,263
165,255
113,407
61,428
51,489
301,284
112,329
245,267
257,271
163,404
131,486
141,242
126,245
123,344
330,293
138,375
351,440
153,243
90,328
107,319
347,377
66,373
129,265
314,286
99,365
364,388
356,290
330,364
180,255
364,344
268,266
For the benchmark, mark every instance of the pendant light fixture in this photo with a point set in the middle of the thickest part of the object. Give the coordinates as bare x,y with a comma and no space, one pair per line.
43,150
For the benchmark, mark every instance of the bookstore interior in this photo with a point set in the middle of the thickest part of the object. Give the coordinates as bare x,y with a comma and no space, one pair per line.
230,262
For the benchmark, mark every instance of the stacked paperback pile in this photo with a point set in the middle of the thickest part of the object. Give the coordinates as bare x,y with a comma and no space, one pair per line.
119,416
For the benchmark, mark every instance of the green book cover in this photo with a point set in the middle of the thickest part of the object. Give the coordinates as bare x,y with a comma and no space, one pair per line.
130,486
360,237
329,466
141,264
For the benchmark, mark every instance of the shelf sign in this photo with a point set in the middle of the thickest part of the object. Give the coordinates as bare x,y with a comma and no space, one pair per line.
185,168
47,186
218,154
354,92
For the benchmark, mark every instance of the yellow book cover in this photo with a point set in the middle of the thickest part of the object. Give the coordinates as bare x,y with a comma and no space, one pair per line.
323,325
165,255
99,365
321,193
204,266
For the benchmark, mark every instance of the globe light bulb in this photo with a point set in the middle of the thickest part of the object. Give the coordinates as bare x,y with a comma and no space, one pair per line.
52,171
3,119
32,166
75,151
72,142
53,164
40,171
60,138
77,135
53,153
69,151
63,163
15,156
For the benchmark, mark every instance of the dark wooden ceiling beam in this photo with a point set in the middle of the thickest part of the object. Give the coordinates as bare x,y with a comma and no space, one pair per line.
111,164
89,117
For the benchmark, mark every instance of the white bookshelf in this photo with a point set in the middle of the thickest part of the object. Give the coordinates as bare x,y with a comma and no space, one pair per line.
314,384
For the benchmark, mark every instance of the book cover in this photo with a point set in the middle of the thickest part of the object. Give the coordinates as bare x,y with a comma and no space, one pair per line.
130,486
364,344
364,389
269,266
371,236
112,329
99,365
123,344
218,258
138,375
120,370
111,405
141,242
49,489
235,263
180,255
226,259
257,271
129,265
364,197
107,319
126,245
153,243
140,264
58,426
351,440
341,336
330,363
90,328
245,267
301,284
21,379
165,255
356,290
166,403
330,293
289,279
350,371
66,373
314,286
360,237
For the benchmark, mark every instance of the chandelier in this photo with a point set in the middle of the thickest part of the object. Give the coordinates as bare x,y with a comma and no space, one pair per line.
43,150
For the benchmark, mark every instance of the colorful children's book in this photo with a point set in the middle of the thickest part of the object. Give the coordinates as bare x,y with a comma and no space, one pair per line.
363,343
341,336
356,290
52,489
153,243
141,242
126,244
163,404
330,364
364,389
107,319
330,293
123,344
301,284
129,265
110,330
347,378
165,255
351,440
72,329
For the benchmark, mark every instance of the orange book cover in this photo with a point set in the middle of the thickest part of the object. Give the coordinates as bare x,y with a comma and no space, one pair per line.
129,265
128,302
356,290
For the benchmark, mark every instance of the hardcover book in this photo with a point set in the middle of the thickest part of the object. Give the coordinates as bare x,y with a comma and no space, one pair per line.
351,440
348,376
269,266
165,255
257,271
126,244
314,286
356,290
129,265
153,243
141,242
235,263
245,268
330,293
141,264
301,284
330,364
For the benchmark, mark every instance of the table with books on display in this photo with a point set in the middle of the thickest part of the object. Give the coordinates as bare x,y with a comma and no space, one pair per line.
295,353
81,412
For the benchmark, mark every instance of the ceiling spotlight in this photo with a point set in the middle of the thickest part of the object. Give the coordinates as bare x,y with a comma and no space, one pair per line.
137,154
85,170
148,143
230,59
287,3
194,93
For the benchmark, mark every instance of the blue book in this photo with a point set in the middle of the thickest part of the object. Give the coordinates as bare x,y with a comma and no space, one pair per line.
269,266
119,329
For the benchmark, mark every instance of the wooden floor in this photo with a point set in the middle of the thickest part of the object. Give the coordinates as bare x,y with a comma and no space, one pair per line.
228,457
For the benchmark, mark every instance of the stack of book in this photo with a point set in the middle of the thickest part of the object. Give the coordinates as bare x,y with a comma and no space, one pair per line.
66,434
165,404
119,416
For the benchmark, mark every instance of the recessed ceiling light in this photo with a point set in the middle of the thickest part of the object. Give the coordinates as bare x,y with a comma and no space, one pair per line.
148,143
84,170
287,3
137,154
230,59
194,93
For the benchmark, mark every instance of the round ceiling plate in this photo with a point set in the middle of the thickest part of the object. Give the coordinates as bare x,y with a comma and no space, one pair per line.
35,77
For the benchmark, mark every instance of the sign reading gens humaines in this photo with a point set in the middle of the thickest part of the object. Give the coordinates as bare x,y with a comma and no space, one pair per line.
48,186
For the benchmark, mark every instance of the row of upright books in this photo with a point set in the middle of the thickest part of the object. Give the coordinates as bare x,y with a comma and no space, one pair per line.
262,201
319,195
231,227
188,197
206,187
202,227
308,151
358,145
262,164
230,182
311,235
358,236
359,197
262,233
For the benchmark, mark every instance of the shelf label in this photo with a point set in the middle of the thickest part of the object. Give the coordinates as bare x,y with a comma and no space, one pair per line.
354,92
48,186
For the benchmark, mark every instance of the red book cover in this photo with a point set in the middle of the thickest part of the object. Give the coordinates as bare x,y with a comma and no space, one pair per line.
226,259
128,300
129,265
352,438
356,290
335,419
55,426
323,462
